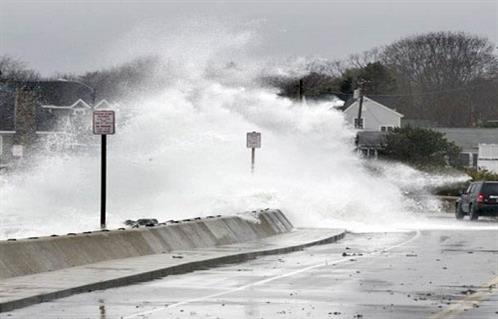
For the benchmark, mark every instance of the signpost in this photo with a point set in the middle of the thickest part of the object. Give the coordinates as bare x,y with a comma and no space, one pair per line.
253,142
103,124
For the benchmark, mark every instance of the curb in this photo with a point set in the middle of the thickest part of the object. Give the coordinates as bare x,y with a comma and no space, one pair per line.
162,272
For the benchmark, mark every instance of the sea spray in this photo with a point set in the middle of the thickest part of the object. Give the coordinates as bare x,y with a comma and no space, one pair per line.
181,153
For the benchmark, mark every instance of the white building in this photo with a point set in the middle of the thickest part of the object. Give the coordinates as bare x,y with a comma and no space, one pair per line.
374,116
488,157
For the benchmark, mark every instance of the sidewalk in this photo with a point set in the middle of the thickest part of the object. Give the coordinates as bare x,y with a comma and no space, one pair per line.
18,292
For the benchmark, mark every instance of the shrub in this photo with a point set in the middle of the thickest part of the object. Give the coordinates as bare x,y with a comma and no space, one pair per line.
420,147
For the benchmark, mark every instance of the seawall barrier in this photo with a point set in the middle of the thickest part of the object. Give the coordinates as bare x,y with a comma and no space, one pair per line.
35,255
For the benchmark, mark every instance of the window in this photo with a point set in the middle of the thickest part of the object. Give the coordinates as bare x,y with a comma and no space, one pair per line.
358,123
386,128
472,188
490,188
469,189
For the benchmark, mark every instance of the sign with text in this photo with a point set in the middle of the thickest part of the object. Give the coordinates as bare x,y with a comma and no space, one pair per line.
103,122
253,140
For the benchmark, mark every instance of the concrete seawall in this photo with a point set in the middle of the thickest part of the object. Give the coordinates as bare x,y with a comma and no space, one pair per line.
37,255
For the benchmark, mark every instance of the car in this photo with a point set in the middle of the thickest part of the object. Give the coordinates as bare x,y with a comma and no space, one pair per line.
479,199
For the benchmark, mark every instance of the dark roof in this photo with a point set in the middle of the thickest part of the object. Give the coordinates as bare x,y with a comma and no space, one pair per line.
469,138
54,93
371,139
418,123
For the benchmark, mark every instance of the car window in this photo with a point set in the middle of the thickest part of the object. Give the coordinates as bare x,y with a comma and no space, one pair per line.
472,188
491,188
469,189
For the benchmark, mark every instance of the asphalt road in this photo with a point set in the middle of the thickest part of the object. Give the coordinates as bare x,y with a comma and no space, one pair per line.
416,274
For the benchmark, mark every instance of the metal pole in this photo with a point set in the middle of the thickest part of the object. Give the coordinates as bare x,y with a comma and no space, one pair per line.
103,172
253,158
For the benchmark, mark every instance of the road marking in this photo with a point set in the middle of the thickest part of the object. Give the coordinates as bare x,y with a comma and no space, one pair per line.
264,281
470,301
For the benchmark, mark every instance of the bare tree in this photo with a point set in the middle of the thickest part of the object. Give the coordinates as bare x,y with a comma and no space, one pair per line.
361,60
442,71
16,70
441,59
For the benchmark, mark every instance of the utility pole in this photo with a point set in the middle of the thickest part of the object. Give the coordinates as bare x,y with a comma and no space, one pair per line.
301,90
359,120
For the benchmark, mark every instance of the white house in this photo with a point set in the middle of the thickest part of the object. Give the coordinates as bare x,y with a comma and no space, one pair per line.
488,157
374,116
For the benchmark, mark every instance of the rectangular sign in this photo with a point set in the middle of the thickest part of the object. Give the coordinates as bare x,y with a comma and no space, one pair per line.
103,122
17,150
253,140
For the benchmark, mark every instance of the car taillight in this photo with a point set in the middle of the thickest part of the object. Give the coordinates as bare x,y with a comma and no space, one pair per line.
480,197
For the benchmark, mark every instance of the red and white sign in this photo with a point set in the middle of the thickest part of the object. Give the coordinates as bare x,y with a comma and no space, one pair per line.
103,122
253,140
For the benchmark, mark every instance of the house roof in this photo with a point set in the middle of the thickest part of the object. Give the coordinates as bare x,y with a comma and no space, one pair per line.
53,98
470,138
352,101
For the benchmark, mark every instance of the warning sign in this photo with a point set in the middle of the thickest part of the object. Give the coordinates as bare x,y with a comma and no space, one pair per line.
103,122
253,140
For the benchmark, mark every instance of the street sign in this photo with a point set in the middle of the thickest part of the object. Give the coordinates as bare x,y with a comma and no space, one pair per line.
103,122
356,93
17,150
253,140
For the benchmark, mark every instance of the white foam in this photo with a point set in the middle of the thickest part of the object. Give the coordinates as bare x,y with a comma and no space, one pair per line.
181,153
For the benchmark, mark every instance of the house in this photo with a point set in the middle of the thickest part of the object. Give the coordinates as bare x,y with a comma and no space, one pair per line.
488,157
469,139
375,122
375,116
31,112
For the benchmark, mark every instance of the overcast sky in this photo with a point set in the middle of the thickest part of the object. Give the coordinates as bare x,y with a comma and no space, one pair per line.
77,36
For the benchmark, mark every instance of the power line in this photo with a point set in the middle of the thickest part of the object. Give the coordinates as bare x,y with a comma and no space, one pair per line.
418,94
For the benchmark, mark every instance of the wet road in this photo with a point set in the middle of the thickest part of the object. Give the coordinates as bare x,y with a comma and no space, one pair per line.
417,274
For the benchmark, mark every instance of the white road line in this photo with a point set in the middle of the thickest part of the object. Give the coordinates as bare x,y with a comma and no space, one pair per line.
264,281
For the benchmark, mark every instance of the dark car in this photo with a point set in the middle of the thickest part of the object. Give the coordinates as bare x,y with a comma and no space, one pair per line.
480,199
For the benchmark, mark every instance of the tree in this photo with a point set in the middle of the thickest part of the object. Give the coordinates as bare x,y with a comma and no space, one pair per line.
419,146
13,69
127,80
376,77
442,71
441,60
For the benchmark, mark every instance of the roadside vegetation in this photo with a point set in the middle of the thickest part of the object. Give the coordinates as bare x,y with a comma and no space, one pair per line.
423,148
430,151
